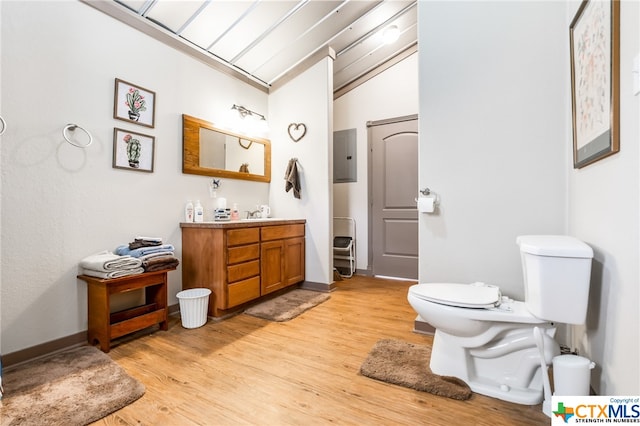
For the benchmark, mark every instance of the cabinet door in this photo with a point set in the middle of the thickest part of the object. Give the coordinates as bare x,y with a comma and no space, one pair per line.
272,266
294,260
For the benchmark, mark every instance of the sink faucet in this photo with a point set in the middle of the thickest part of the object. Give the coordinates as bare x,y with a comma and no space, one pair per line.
252,215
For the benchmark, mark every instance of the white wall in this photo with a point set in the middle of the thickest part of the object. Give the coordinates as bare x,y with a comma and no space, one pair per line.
390,94
61,203
306,99
492,135
604,212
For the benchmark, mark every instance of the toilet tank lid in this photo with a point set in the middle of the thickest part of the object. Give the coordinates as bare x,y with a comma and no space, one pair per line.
554,245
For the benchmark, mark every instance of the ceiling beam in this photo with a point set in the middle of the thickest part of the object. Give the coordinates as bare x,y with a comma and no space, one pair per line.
375,71
132,19
302,66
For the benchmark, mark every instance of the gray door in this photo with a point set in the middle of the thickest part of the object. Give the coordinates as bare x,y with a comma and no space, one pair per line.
393,188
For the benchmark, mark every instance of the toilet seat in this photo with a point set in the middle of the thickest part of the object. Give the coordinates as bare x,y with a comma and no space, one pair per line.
475,296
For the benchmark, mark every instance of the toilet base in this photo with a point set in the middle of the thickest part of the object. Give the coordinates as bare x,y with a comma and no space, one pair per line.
524,396
507,367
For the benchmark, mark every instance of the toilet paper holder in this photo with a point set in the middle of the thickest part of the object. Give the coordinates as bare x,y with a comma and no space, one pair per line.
426,192
428,202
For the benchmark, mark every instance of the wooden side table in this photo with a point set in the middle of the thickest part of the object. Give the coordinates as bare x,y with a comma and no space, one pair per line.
104,326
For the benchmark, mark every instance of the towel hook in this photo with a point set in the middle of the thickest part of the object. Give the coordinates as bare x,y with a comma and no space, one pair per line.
4,125
73,127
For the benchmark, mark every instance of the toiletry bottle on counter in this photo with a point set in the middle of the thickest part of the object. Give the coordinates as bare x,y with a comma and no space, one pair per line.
188,212
235,214
198,212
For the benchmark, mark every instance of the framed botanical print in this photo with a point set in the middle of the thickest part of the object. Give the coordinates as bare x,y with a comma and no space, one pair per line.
595,81
134,104
133,151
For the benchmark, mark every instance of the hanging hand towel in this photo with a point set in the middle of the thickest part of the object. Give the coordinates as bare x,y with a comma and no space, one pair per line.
292,178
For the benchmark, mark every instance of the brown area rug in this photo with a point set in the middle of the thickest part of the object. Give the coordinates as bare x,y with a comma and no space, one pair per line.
407,364
288,305
74,387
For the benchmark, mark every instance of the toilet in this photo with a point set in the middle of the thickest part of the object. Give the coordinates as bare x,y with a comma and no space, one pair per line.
486,338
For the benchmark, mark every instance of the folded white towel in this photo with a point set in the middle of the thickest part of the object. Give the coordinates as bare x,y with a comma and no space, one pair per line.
112,274
106,261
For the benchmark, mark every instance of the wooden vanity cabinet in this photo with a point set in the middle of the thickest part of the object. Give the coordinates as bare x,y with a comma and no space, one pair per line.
282,256
241,262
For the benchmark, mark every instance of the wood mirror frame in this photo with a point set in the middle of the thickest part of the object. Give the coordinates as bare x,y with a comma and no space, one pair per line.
191,127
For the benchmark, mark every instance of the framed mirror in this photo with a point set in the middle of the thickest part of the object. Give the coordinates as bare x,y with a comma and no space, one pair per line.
211,151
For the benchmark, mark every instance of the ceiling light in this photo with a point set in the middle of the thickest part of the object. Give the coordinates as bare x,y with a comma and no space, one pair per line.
390,34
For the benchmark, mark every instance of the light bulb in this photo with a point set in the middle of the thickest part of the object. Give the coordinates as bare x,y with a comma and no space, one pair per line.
390,34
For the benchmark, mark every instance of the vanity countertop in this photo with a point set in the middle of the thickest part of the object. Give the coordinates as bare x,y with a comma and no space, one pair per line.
242,223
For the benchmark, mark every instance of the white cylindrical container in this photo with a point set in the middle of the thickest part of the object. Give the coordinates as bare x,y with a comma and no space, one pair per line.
572,375
188,212
198,212
193,306
221,203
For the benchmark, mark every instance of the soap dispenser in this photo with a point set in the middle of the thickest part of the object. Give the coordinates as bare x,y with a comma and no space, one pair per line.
198,212
235,214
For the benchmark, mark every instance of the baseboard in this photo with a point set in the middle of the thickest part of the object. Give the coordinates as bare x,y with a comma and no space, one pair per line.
421,326
325,288
366,272
38,351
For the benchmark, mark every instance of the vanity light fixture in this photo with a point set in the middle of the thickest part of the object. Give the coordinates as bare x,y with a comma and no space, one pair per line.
244,112
259,121
390,34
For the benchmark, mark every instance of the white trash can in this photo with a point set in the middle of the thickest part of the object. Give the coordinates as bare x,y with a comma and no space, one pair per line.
572,375
193,306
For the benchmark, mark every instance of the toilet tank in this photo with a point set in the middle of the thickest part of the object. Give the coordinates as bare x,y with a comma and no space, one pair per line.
557,272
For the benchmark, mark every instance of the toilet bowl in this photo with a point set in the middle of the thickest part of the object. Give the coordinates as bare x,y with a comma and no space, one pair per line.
492,348
487,340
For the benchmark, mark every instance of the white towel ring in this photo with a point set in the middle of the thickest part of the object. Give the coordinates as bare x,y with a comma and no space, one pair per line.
4,125
73,127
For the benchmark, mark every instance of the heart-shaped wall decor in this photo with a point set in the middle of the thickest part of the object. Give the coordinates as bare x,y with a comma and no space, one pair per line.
246,145
297,131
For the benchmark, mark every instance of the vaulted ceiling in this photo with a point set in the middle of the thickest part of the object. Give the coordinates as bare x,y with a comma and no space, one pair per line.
268,41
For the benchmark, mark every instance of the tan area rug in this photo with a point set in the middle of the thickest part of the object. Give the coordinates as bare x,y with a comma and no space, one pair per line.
288,305
407,364
74,387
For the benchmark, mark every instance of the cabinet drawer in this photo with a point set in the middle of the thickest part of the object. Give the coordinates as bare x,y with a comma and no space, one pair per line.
236,237
279,232
243,253
244,291
243,270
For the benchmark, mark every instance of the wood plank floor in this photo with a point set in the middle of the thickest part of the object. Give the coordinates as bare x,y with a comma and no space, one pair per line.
248,371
